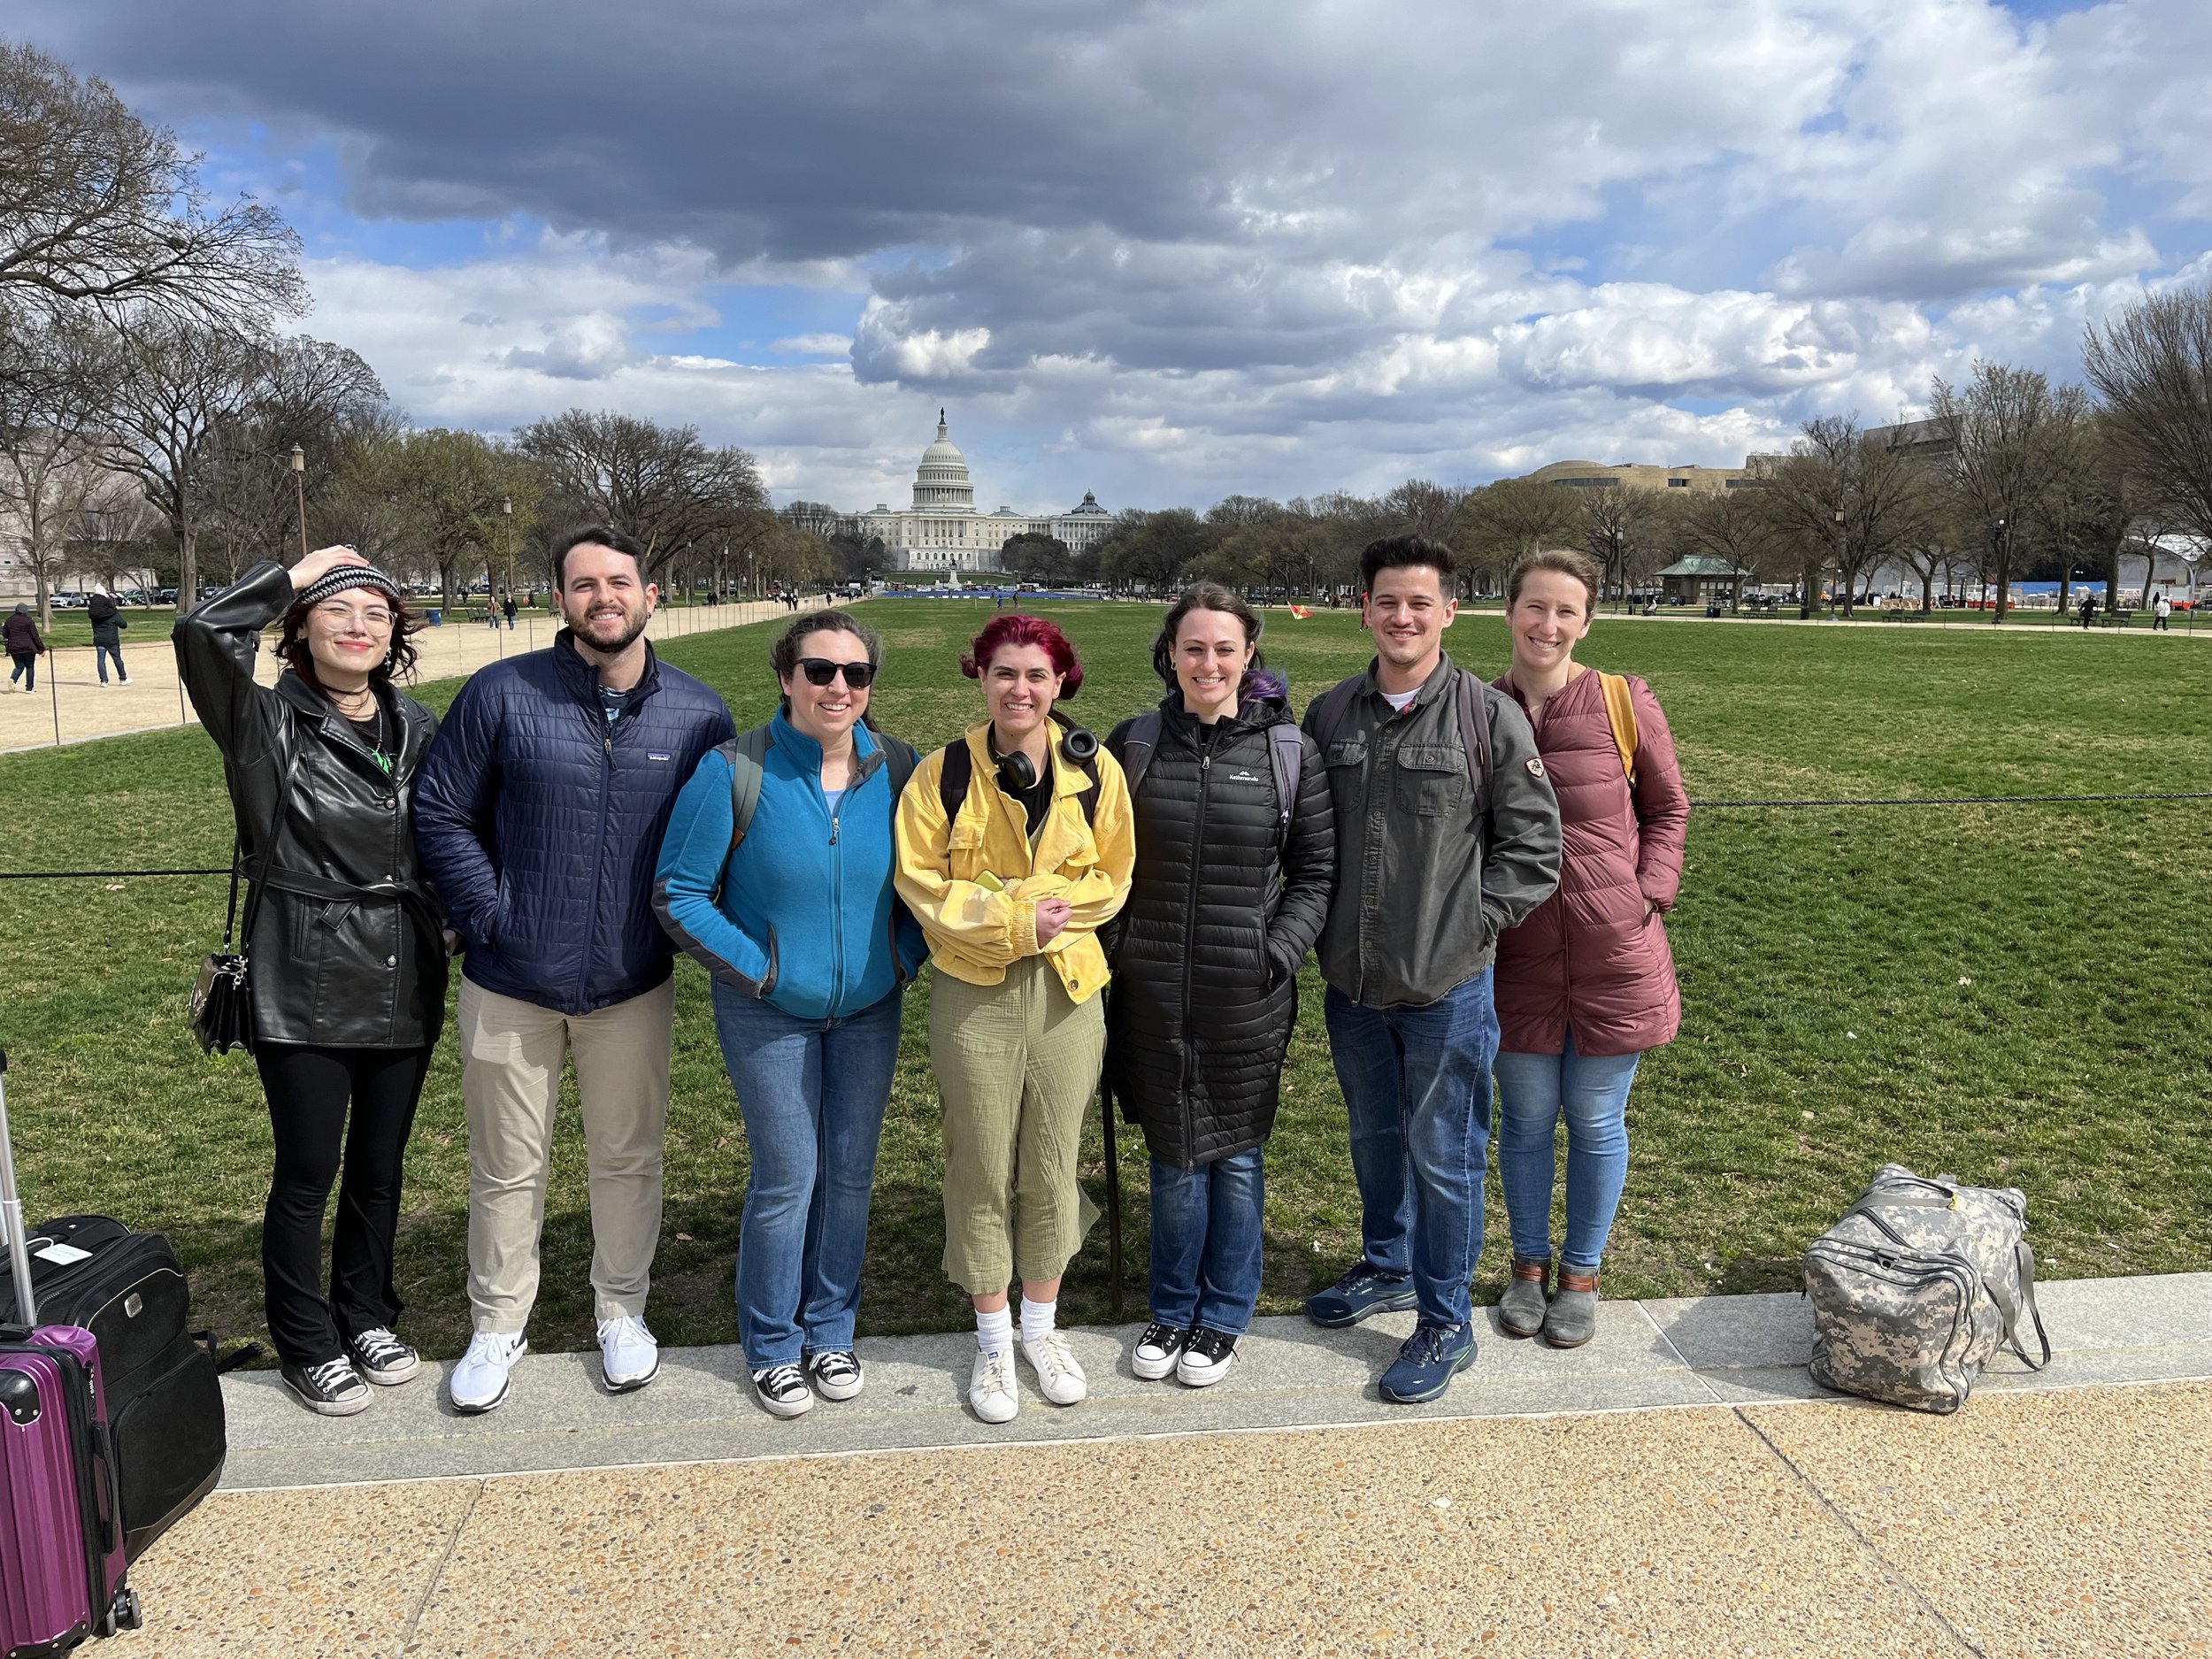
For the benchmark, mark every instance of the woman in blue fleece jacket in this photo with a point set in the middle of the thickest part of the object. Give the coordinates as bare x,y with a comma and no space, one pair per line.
810,951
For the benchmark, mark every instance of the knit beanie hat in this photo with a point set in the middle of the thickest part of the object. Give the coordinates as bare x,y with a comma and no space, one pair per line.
345,576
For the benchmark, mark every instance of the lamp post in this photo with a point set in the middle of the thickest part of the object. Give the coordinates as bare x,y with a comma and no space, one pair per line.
1997,552
299,491
1831,603
507,514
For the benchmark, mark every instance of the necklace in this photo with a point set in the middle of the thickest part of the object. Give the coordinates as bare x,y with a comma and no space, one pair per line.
376,731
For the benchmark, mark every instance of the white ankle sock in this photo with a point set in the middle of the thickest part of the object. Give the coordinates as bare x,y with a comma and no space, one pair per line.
1037,1318
994,1332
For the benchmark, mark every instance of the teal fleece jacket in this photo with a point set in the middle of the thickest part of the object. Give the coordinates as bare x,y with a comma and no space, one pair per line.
802,914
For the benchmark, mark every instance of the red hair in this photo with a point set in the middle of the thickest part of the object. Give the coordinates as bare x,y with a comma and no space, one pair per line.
1016,629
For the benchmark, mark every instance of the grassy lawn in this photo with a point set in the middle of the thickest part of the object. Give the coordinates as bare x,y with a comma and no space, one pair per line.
2016,995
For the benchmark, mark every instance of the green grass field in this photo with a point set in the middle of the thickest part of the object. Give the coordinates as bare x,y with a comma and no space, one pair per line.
2014,994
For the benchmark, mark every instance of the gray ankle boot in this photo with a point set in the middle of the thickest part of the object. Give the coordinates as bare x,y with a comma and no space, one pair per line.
1521,1309
1572,1318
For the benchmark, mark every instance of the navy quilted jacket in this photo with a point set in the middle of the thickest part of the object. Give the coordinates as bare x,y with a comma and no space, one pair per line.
539,823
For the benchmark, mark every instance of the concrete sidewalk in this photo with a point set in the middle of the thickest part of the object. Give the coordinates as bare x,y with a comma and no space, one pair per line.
72,706
1678,1486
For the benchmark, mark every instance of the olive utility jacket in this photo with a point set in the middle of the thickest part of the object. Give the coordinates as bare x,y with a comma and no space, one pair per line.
1428,876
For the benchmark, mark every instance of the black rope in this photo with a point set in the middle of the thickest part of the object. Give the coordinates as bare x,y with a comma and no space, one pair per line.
93,875
1970,799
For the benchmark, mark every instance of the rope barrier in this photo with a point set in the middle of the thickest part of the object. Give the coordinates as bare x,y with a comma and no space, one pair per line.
98,875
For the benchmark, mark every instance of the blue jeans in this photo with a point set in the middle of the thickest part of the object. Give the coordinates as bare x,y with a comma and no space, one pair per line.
1591,1091
1417,1085
1206,1242
812,1092
99,654
26,669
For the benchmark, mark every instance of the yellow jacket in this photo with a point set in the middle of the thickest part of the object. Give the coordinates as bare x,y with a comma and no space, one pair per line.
976,933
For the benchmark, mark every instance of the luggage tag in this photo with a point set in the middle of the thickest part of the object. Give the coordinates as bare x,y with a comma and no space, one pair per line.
62,1255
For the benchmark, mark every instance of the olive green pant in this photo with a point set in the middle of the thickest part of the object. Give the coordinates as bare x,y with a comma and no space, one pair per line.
1017,1065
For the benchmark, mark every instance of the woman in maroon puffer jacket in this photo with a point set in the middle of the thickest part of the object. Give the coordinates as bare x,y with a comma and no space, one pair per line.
1586,984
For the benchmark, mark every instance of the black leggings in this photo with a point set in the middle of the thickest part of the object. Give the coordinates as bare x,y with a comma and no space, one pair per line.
308,1090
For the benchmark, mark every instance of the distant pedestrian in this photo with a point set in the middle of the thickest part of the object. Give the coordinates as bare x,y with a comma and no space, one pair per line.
25,647
2159,611
507,607
108,624
538,816
2088,609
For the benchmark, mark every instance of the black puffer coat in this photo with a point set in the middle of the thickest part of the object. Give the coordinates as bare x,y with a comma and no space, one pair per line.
1222,912
346,946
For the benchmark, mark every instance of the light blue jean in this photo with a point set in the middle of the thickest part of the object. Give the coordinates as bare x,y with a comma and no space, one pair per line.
812,1092
1416,1087
1206,1251
1590,1091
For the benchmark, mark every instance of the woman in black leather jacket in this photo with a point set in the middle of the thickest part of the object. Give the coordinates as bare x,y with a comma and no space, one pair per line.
348,953
1236,863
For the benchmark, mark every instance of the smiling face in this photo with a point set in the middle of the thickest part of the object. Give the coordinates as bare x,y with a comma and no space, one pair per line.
1548,619
605,599
826,713
350,635
1211,655
1019,688
1407,612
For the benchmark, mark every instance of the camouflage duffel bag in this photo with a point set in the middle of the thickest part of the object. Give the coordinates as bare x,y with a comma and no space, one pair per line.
1917,1285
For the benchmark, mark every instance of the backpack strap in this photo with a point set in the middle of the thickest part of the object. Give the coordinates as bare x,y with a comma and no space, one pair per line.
898,759
953,781
1474,734
1620,714
1329,710
1137,744
1286,749
748,754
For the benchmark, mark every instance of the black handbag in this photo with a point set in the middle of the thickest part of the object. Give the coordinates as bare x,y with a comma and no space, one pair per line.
221,1006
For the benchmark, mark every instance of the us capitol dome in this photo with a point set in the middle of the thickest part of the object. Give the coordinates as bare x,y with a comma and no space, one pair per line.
942,531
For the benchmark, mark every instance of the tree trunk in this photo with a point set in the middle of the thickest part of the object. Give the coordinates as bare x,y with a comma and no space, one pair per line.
2004,585
187,563
1927,591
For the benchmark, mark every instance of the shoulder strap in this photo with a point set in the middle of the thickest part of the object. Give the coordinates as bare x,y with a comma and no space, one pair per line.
1286,749
1137,745
898,759
1620,714
1329,711
747,753
1474,733
1088,799
952,782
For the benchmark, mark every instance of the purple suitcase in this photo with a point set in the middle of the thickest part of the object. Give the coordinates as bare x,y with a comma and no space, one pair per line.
61,1536
61,1524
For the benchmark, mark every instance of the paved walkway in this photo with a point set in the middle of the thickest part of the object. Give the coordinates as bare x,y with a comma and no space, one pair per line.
70,705
1677,1487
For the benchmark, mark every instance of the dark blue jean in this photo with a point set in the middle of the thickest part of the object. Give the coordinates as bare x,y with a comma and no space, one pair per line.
1206,1242
812,1092
1590,1091
99,654
26,669
1416,1087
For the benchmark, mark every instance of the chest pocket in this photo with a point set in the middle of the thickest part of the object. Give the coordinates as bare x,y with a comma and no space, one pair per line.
963,849
1431,779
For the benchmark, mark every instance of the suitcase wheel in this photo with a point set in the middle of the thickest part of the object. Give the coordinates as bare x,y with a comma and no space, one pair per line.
122,1615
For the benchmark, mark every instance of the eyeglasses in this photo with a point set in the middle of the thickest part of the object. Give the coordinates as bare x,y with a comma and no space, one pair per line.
820,671
374,619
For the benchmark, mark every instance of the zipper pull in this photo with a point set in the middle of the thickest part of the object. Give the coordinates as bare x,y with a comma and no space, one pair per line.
833,829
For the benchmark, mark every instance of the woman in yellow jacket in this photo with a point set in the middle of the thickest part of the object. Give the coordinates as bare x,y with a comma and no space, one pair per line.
1015,847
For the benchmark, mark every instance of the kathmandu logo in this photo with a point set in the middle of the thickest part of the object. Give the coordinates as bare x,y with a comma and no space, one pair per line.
1242,776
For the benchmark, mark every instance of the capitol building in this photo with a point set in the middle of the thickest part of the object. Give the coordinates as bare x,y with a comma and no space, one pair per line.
942,531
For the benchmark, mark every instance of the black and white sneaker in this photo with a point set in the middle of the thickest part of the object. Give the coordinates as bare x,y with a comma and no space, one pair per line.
382,1358
783,1391
1154,1359
328,1388
835,1373
1210,1356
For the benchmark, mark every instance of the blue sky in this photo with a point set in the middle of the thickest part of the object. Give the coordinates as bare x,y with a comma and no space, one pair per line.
1167,253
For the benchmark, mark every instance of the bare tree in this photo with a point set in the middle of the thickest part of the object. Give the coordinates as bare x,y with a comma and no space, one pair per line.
1419,507
1731,525
1847,500
661,484
1616,524
1500,521
50,382
2152,366
452,486
100,212
1997,431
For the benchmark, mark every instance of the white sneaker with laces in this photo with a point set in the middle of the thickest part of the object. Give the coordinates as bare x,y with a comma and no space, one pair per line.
628,1356
382,1358
478,1381
1059,1379
991,1387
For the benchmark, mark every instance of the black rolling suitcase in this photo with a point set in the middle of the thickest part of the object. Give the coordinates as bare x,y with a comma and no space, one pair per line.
165,1403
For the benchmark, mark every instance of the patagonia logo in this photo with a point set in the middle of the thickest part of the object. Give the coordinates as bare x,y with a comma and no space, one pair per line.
659,753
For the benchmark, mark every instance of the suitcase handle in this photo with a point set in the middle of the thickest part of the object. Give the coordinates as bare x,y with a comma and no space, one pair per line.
111,1482
12,1214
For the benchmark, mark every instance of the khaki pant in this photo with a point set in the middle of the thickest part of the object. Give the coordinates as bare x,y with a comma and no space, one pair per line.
510,1082
1017,1065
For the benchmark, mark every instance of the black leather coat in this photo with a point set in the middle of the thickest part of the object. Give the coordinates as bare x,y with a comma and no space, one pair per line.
1222,912
346,946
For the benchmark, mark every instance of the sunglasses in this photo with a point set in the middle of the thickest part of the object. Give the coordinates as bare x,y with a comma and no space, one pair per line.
819,671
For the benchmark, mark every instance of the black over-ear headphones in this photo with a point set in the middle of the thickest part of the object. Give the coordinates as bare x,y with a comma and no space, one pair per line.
1015,772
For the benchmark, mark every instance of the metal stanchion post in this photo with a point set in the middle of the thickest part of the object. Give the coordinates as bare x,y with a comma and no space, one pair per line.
53,689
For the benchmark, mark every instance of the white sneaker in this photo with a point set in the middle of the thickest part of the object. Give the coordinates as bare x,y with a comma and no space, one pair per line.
991,1387
628,1356
1059,1378
478,1381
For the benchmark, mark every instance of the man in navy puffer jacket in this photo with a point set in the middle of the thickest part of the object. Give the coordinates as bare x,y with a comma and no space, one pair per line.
539,812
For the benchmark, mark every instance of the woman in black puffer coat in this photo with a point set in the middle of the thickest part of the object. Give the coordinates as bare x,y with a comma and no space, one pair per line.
1229,895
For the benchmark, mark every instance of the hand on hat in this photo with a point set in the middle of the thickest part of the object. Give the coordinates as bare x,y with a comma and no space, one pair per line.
320,563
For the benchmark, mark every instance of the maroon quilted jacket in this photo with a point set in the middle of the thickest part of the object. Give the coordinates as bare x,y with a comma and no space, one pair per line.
1592,955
